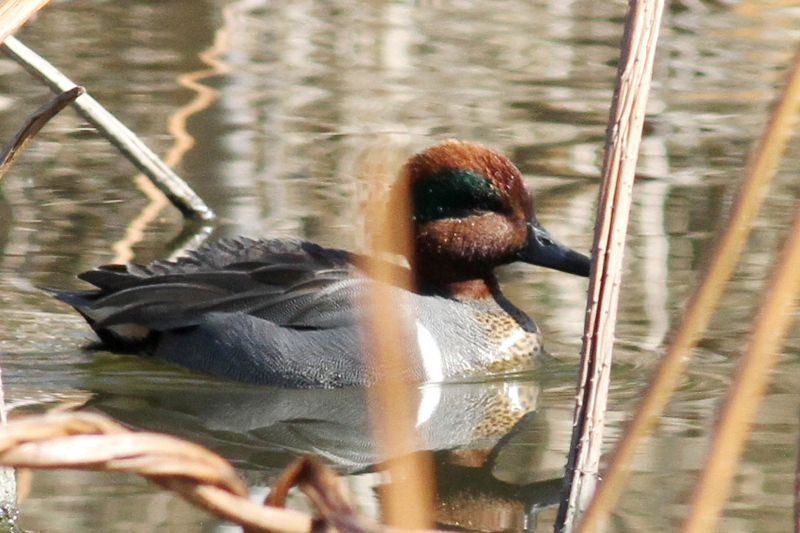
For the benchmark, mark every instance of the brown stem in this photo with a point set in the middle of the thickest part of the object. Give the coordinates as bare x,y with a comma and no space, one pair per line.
775,314
760,168
619,165
36,122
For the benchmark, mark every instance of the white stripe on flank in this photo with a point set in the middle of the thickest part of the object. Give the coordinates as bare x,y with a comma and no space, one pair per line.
432,364
431,394
430,354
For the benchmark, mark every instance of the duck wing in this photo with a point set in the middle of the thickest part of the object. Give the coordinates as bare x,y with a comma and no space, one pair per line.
293,284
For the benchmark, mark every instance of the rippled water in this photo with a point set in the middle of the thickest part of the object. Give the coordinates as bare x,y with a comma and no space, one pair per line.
310,97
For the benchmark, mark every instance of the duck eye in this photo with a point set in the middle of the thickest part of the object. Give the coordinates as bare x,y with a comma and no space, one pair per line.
454,193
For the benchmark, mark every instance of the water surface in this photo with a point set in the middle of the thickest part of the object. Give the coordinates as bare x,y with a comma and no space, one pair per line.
308,98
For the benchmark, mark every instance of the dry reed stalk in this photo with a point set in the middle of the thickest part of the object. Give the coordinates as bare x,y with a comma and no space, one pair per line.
775,315
797,492
177,190
407,500
94,442
761,166
15,13
619,166
322,486
87,441
33,125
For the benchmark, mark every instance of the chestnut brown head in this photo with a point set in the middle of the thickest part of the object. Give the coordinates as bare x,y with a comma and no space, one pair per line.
471,213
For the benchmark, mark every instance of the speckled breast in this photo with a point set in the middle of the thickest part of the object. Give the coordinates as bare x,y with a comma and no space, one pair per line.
515,348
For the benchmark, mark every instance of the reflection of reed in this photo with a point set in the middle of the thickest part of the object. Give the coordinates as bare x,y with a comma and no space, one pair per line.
134,232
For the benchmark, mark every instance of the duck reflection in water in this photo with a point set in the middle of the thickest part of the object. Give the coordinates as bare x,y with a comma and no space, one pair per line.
489,438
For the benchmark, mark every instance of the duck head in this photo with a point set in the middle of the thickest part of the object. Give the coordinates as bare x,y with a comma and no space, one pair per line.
471,213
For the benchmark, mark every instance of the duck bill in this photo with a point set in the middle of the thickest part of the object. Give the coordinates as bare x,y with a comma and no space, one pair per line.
543,250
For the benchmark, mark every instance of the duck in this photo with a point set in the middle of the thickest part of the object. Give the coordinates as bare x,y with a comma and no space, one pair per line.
286,313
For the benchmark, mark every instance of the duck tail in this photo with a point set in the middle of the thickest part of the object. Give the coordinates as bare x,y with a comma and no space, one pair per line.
128,338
